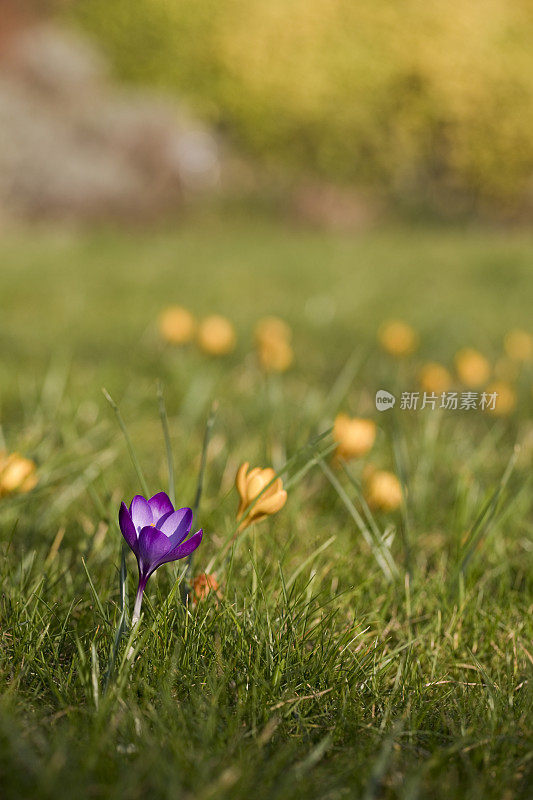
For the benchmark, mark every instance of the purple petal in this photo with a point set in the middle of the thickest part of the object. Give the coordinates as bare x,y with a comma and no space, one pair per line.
161,506
161,520
127,527
151,549
141,513
183,549
177,525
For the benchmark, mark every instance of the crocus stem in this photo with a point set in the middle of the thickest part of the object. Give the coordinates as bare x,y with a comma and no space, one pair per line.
138,601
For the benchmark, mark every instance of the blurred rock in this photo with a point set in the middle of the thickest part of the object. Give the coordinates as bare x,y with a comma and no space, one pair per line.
74,146
54,61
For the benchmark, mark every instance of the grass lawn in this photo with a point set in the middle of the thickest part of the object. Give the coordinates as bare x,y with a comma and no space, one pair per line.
351,653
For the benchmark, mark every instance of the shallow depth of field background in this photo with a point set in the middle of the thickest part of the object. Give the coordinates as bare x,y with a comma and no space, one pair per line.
337,165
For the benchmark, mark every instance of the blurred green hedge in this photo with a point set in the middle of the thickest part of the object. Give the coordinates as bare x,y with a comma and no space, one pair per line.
421,98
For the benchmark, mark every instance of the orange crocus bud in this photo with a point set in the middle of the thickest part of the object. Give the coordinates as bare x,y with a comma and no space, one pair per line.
383,491
176,325
216,335
272,329
17,474
275,355
398,338
472,367
355,436
519,345
273,340
250,485
203,584
435,378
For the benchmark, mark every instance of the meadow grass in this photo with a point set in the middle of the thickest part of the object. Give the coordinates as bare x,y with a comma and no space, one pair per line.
351,653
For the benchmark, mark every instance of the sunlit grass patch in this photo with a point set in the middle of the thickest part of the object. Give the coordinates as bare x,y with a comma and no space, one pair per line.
355,641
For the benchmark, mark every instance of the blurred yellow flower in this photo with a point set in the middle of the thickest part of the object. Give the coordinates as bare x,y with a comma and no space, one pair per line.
17,474
216,335
505,400
176,325
518,345
435,378
250,485
472,367
275,355
383,491
202,585
272,328
355,436
398,338
273,337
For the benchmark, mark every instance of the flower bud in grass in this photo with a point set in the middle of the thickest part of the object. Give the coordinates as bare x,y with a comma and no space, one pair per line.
472,367
355,436
216,335
250,485
273,340
176,325
398,338
383,491
156,532
203,584
17,474
505,401
272,329
519,345
435,378
275,355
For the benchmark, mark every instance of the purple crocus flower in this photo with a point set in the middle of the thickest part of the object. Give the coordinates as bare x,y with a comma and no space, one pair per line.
155,531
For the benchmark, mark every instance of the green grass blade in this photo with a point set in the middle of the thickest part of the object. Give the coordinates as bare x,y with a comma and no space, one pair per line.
131,449
94,592
379,550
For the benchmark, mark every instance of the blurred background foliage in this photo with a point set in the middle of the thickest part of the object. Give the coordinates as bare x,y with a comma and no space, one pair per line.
425,102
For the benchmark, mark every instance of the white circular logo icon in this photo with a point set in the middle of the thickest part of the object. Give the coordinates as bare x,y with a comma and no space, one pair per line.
384,400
